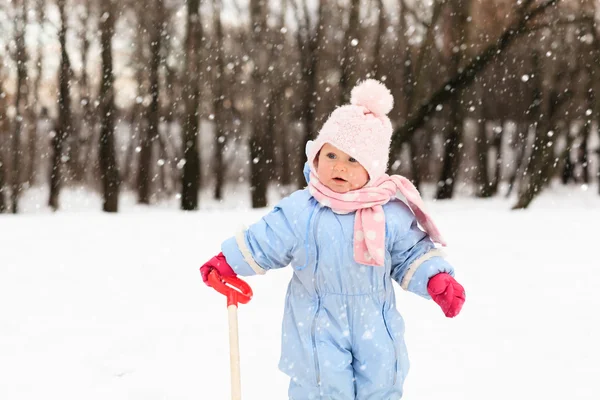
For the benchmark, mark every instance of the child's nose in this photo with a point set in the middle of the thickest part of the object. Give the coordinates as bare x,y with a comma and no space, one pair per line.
340,167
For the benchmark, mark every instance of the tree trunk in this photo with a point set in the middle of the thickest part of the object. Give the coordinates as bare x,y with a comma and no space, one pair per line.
594,85
276,118
139,120
520,148
482,147
107,157
32,139
33,136
165,185
280,105
309,108
583,154
457,30
482,177
451,149
218,102
149,135
259,167
542,151
3,207
401,86
598,158
87,132
497,143
63,127
595,107
168,153
587,128
281,137
350,53
20,104
191,169
568,169
379,40
4,127
2,183
310,48
416,160
128,176
270,130
16,151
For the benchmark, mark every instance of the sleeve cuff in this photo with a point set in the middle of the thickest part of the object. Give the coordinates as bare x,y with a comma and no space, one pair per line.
239,257
422,269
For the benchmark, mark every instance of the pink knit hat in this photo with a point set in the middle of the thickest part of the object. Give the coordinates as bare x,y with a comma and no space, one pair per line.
360,129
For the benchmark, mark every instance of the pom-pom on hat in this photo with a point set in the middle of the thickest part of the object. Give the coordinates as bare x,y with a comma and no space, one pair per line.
360,129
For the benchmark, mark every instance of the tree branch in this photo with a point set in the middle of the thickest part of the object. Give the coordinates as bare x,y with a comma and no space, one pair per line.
413,13
300,38
424,50
586,19
467,76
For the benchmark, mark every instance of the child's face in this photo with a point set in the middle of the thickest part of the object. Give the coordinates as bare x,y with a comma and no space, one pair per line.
339,171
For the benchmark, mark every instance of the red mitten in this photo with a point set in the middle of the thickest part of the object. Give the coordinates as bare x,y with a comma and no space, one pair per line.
219,264
445,291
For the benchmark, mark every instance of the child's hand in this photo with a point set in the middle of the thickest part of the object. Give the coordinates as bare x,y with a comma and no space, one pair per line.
219,264
449,294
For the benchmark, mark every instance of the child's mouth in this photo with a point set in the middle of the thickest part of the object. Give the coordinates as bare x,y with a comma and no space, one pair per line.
339,180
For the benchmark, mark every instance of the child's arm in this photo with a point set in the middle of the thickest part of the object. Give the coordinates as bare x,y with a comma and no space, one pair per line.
265,245
415,259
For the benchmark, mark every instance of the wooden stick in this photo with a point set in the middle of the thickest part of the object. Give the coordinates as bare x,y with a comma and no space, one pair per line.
234,354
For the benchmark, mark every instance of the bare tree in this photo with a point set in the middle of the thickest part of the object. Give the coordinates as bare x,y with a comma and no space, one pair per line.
219,98
309,37
85,164
20,101
138,118
586,131
595,109
259,167
379,38
486,20
191,90
520,26
410,76
593,70
350,52
595,102
40,6
482,179
459,11
279,115
542,150
150,136
3,129
2,201
107,157
64,125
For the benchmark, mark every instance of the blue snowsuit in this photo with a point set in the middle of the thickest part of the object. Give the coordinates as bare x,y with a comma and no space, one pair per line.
342,338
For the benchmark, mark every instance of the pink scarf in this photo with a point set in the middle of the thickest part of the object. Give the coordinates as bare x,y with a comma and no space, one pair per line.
369,223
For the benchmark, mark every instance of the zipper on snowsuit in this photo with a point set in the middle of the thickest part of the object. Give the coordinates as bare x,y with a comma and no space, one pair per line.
383,315
314,323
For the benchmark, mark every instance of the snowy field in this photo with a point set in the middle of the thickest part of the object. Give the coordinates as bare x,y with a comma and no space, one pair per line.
96,306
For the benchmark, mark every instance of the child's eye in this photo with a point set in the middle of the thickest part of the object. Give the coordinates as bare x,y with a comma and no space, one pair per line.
331,156
352,159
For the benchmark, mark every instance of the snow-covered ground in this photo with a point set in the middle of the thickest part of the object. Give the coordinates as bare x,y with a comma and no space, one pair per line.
96,306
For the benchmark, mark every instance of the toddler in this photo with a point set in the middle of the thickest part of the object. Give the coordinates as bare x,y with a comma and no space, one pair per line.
347,236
